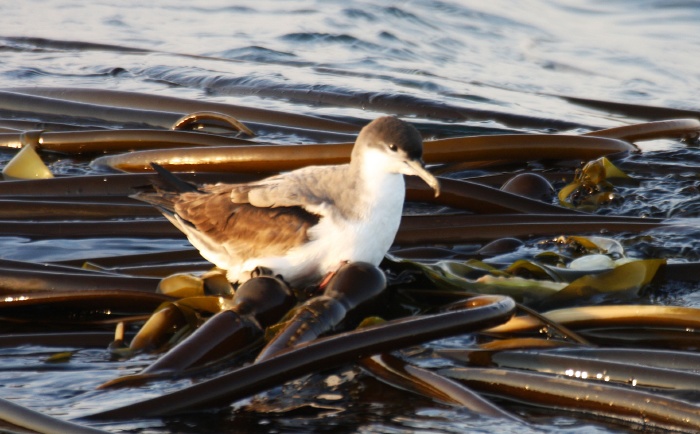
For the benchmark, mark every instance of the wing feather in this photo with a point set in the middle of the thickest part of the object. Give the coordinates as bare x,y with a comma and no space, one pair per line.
306,188
236,222
237,231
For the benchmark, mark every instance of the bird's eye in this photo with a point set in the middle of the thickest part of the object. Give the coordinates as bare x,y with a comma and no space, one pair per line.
393,147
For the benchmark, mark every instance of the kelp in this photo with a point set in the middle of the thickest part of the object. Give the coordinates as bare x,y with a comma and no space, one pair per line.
26,165
651,357
629,277
237,325
643,409
398,373
210,281
197,265
88,113
50,267
260,302
563,333
96,307
350,286
522,343
643,336
90,339
18,281
488,227
408,235
530,185
588,268
107,262
393,104
167,321
614,315
109,186
289,157
198,120
98,142
25,209
576,366
38,422
591,187
88,229
677,360
478,198
670,129
473,276
324,352
157,104
638,111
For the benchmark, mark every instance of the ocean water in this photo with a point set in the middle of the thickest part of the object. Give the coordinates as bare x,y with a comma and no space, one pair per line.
500,55
342,59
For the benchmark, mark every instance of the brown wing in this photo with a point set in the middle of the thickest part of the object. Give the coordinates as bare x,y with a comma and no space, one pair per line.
242,230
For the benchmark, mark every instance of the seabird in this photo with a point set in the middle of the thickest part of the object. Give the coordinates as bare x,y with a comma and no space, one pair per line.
301,224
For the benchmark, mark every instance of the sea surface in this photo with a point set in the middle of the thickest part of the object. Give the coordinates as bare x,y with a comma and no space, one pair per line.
509,56
344,60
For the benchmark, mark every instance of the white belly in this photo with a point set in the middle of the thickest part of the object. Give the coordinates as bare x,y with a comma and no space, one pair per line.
336,240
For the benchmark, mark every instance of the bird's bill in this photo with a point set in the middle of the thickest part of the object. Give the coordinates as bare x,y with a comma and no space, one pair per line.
416,168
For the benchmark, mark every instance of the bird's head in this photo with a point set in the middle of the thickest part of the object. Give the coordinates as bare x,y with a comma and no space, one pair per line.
394,146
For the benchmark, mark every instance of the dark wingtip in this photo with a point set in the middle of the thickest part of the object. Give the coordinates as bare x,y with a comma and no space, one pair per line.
169,181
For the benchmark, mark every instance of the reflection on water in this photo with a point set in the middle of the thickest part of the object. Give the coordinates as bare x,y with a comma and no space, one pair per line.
23,249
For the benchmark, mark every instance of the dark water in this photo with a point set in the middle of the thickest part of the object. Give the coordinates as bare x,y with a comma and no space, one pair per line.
342,59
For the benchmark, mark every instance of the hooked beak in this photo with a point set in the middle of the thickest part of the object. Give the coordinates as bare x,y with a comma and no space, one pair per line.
415,167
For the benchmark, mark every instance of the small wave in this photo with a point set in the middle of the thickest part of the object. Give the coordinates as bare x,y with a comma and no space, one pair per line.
397,12
274,86
25,73
356,13
22,43
328,38
256,53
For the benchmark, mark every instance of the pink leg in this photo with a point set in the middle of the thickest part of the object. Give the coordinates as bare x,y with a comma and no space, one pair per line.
328,277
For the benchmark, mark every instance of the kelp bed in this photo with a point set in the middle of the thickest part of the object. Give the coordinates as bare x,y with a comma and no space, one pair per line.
543,259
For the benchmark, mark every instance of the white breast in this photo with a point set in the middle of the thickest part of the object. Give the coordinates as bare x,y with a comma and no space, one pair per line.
366,236
367,239
334,239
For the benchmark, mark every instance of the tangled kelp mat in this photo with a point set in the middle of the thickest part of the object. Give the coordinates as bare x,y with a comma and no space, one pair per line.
551,261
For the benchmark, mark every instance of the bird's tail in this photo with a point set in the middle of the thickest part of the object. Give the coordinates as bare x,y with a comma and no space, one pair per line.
167,181
164,188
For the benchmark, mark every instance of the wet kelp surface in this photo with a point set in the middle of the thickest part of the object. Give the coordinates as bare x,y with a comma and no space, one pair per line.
539,291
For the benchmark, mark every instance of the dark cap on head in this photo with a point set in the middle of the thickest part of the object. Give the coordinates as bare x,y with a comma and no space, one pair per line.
390,130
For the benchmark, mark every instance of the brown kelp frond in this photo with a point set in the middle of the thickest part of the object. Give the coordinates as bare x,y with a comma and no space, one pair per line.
495,230
323,352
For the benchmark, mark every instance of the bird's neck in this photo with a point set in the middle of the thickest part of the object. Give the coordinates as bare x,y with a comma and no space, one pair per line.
375,185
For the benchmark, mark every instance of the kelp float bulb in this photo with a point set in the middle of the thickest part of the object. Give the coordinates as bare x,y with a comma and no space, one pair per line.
530,185
26,165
